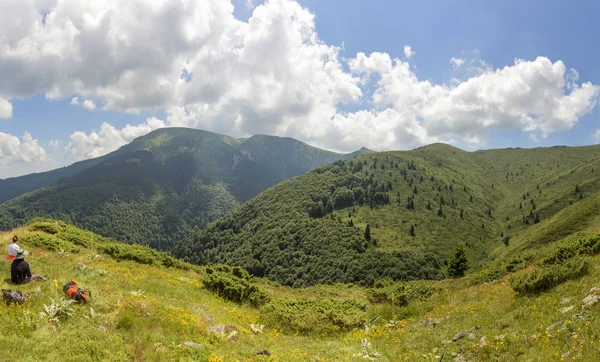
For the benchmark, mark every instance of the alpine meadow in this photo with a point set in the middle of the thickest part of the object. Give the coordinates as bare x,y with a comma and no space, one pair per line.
299,180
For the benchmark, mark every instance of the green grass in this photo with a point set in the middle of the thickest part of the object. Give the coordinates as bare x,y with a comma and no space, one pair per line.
144,310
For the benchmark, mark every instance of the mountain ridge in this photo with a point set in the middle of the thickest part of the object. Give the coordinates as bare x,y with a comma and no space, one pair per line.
165,184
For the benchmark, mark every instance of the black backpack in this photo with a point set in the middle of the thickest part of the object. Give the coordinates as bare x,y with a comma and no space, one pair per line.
11,297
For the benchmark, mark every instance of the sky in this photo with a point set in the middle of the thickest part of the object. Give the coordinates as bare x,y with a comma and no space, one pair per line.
79,79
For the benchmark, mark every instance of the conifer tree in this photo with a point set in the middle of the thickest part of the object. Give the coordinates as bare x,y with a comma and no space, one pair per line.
459,264
368,233
412,230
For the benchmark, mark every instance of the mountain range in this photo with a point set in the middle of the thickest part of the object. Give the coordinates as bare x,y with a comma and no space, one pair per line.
303,216
161,186
402,214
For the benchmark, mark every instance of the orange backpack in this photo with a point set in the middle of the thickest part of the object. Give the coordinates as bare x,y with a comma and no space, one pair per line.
77,294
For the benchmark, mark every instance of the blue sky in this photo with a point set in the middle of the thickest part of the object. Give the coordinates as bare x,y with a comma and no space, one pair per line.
272,76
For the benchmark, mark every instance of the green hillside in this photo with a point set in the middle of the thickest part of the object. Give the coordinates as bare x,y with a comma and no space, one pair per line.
419,206
147,306
163,186
289,157
15,186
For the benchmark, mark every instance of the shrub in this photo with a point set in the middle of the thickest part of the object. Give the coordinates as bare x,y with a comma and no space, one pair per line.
584,245
314,315
140,254
499,268
49,242
547,277
44,227
234,284
401,294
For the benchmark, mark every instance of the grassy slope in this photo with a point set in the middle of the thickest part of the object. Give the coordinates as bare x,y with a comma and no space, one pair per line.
508,182
147,312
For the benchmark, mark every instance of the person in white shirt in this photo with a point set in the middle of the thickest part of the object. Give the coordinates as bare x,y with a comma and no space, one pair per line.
13,248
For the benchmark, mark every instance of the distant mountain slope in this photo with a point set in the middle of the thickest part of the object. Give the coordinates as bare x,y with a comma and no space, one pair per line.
418,204
289,157
162,186
15,186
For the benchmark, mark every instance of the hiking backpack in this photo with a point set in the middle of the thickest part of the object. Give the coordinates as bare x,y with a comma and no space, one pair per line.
11,297
77,294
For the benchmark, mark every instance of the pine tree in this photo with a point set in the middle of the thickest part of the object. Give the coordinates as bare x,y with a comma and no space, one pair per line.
368,233
461,213
412,230
577,190
459,264
428,205
440,212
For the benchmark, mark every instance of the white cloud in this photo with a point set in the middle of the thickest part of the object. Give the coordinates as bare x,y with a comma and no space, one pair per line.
250,4
529,95
379,130
54,144
89,105
108,138
597,136
273,75
534,138
15,152
5,109
456,62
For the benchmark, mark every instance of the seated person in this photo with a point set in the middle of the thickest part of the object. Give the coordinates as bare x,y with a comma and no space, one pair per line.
20,273
13,248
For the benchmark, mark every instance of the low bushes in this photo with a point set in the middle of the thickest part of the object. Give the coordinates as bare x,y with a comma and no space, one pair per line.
549,276
140,254
60,235
400,294
499,268
49,242
234,284
321,316
584,245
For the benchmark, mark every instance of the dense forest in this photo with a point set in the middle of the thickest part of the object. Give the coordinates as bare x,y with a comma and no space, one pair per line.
165,185
399,214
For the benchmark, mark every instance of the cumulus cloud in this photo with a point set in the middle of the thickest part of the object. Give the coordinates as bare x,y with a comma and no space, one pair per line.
5,109
108,138
54,144
534,138
457,62
273,75
89,105
530,95
597,136
250,4
15,151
